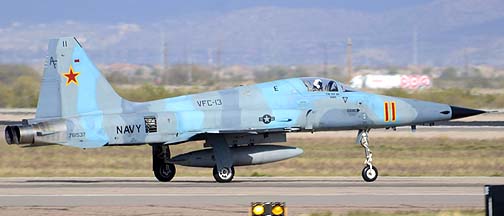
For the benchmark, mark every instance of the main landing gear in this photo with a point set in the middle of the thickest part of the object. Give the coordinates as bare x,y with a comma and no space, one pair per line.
369,172
223,170
223,175
163,170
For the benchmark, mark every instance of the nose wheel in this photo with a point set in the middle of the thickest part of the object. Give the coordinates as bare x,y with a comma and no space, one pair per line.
225,174
370,172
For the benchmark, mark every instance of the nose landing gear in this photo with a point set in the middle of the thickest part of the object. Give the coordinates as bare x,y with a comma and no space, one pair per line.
369,172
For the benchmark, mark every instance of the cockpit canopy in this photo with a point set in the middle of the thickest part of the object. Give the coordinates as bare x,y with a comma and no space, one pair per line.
321,84
314,84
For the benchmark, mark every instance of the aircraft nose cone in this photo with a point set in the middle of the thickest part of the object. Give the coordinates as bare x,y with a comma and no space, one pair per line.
461,112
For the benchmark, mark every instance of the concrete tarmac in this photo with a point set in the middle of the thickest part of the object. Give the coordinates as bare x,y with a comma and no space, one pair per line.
202,196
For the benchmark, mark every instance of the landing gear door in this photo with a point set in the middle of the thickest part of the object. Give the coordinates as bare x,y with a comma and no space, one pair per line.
310,119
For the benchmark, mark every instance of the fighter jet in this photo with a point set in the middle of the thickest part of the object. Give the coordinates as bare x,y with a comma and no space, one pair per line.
77,107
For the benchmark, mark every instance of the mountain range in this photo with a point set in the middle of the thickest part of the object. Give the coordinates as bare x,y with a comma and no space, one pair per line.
438,32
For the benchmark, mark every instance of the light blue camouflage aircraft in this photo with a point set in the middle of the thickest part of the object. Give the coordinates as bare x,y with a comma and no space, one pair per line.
78,107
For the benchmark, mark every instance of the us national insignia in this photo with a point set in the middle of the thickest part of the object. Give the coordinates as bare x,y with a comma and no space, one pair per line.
266,119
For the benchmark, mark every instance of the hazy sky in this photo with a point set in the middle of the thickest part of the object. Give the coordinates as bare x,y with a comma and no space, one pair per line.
383,32
103,11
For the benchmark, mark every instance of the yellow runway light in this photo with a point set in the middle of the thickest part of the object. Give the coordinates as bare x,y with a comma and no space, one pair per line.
277,210
268,209
258,209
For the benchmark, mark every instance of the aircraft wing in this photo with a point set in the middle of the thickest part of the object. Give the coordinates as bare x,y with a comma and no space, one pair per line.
255,131
184,137
199,136
38,145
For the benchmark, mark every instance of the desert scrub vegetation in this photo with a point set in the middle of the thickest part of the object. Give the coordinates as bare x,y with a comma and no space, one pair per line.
322,157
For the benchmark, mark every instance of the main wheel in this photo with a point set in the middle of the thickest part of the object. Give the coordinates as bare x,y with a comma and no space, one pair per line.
223,175
369,174
164,172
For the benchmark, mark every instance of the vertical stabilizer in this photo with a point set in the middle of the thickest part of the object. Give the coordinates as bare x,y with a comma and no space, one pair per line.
72,85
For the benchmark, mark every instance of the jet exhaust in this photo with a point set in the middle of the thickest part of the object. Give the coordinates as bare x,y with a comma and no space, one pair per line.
35,134
19,135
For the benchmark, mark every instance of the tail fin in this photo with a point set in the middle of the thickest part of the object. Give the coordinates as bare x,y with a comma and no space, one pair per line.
72,85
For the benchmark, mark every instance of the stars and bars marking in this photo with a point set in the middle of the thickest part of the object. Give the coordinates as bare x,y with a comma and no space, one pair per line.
266,118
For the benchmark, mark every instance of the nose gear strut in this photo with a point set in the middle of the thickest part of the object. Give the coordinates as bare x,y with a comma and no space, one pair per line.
369,172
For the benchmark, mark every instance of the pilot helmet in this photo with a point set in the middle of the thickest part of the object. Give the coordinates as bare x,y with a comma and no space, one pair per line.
317,83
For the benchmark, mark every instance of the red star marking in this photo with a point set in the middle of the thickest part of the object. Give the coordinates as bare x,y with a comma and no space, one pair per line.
71,76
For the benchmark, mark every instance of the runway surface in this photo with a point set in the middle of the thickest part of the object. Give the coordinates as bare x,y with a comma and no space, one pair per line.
200,196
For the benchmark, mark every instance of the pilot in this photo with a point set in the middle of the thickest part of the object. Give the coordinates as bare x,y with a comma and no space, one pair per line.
317,85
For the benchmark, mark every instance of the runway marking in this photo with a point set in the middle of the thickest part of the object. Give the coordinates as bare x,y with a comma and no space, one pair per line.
338,193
